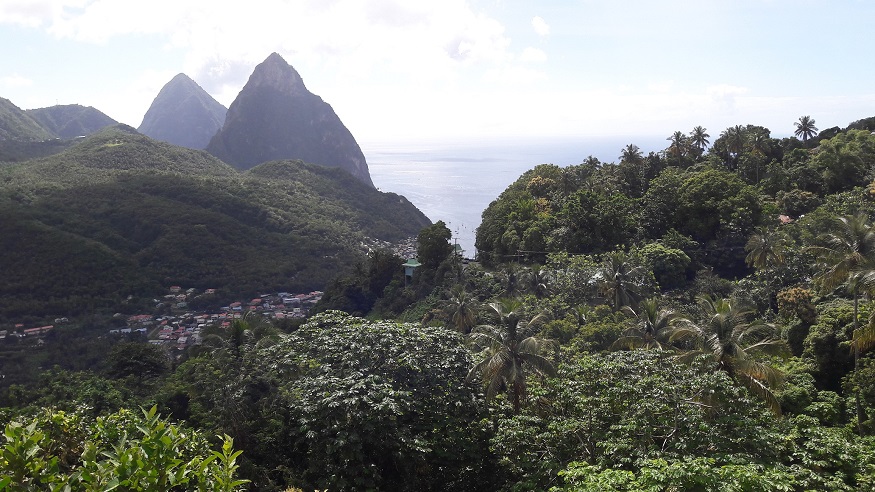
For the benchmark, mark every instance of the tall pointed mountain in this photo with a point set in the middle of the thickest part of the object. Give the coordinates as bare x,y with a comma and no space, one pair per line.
183,114
71,120
275,117
15,124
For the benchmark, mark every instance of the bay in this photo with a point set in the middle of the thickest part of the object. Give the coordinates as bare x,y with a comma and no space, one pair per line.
456,181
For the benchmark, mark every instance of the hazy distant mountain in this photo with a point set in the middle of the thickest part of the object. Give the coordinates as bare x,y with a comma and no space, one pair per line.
16,124
183,114
71,120
275,117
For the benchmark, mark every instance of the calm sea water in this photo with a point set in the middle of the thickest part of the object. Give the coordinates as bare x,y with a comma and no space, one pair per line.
455,182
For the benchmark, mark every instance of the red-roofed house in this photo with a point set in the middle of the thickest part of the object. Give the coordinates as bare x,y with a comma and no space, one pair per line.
37,331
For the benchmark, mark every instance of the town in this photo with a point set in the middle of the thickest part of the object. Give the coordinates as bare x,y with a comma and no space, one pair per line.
182,327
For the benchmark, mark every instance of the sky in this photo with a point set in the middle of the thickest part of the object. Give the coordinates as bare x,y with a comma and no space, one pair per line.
407,71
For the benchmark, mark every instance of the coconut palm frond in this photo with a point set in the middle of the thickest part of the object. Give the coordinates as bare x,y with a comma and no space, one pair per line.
636,342
769,346
494,386
713,343
482,340
629,311
539,363
628,343
684,332
539,321
762,392
268,341
743,332
488,368
536,345
689,356
864,336
764,373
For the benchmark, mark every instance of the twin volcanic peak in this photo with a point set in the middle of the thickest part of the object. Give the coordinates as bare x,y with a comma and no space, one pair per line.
275,117
183,114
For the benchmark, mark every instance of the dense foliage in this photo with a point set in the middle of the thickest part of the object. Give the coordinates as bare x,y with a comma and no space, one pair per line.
57,451
695,319
343,403
122,215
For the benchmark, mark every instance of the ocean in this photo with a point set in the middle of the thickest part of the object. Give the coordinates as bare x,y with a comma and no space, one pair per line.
455,182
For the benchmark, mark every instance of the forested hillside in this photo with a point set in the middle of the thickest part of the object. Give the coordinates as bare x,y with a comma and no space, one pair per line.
699,318
71,120
16,124
121,215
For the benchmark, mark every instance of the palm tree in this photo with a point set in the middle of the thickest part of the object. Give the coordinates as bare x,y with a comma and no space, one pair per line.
591,163
537,281
619,281
581,313
847,256
726,338
699,138
735,137
631,154
463,309
651,326
231,363
678,146
510,352
250,332
765,248
759,140
805,128
510,280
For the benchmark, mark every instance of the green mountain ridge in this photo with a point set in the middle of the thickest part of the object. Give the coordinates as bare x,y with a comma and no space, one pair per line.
16,124
71,120
135,215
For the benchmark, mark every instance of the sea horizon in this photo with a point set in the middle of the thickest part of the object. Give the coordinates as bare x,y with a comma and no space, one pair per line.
455,181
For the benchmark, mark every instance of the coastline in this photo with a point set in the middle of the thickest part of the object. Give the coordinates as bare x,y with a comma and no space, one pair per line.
456,181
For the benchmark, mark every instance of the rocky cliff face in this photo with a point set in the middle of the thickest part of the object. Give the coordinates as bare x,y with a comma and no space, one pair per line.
183,114
71,120
275,117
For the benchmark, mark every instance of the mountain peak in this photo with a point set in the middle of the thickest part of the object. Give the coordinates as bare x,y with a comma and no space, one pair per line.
275,117
183,114
275,72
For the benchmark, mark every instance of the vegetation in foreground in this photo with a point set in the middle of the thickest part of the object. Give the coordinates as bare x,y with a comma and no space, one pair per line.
659,334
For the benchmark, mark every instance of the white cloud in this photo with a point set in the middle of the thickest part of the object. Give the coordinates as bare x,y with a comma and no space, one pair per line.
533,55
540,26
336,42
661,86
14,81
725,95
32,13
